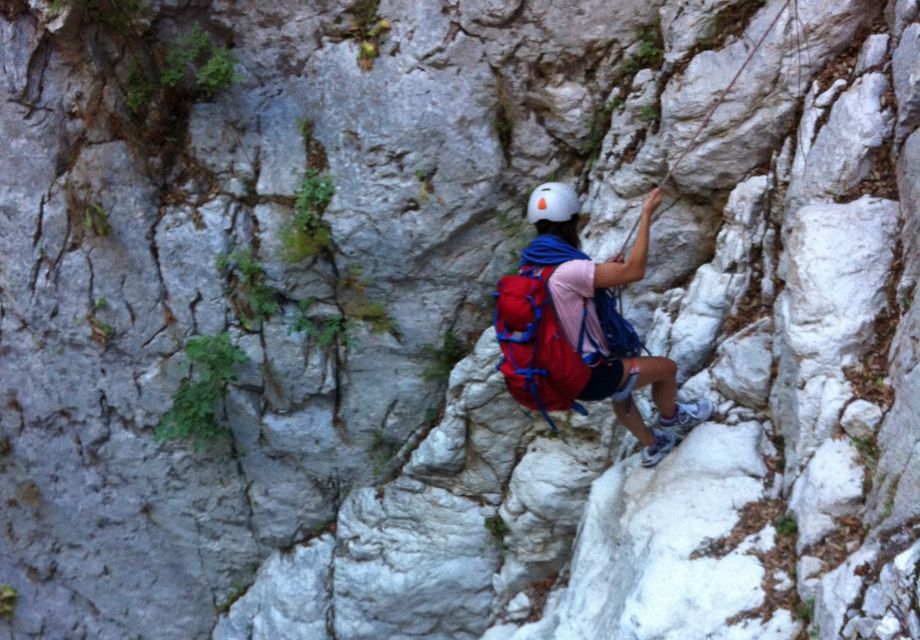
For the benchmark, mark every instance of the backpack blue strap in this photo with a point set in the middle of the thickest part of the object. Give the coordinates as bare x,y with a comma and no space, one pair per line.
590,358
536,397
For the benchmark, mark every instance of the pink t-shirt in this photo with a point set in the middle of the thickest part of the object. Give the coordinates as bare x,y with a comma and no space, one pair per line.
571,286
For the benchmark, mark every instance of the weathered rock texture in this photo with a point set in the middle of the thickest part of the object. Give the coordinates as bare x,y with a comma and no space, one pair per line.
362,494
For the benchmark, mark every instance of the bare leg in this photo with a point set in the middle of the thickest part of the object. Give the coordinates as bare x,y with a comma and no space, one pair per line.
661,373
634,423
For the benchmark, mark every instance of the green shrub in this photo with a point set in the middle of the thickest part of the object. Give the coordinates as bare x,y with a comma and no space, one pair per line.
786,525
369,27
869,450
325,331
443,358
307,234
805,610
648,113
648,54
197,56
381,451
497,529
118,15
217,72
96,220
250,296
193,411
374,314
8,598
140,87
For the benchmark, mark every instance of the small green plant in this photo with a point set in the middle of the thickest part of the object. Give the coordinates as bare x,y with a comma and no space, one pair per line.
101,331
306,129
118,15
892,493
648,54
237,591
55,8
8,598
197,56
504,128
217,73
307,234
786,525
325,331
425,187
369,27
805,610
252,299
381,451
443,358
869,450
374,314
193,411
96,220
354,279
612,105
140,86
648,113
497,529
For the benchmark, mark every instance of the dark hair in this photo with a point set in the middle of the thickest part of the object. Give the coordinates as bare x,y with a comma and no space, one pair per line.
567,231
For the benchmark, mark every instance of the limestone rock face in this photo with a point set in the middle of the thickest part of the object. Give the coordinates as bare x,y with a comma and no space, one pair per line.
835,285
843,151
628,561
400,553
830,487
360,492
742,372
290,598
747,125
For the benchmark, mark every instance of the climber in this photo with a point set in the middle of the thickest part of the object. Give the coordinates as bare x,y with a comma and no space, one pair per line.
578,288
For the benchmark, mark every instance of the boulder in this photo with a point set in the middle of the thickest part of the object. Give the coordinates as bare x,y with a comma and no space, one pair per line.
839,590
905,69
742,371
899,14
749,122
874,52
860,419
845,148
402,548
718,285
888,608
633,575
837,261
829,487
546,495
291,598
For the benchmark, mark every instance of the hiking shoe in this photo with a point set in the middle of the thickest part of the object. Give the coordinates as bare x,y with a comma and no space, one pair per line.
688,415
653,453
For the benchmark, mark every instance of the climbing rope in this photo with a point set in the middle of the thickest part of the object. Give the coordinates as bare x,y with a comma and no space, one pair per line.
719,101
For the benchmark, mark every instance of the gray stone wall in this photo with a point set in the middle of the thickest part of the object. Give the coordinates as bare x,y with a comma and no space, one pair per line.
360,494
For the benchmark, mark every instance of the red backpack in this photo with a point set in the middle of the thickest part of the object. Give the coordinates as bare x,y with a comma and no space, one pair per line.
543,371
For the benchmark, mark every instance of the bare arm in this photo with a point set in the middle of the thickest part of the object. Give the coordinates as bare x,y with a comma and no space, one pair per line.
612,274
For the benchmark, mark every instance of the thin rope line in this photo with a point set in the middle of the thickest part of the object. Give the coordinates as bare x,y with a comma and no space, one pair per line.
708,118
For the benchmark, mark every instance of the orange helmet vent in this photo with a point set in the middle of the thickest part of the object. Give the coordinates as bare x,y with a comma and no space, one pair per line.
542,204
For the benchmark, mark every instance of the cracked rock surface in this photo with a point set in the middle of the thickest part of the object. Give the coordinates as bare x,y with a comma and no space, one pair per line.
361,491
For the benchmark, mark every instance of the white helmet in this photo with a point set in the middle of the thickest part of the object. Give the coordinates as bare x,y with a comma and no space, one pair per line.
553,201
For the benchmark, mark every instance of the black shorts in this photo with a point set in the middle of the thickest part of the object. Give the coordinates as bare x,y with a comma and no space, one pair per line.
606,379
